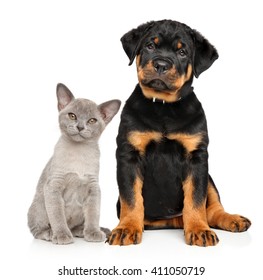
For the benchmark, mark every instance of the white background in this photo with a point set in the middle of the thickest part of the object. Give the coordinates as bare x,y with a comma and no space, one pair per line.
78,43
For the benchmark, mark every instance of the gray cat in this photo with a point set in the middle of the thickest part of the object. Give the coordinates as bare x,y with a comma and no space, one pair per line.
67,199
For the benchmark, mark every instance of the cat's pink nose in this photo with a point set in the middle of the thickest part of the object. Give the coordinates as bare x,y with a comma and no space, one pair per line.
80,127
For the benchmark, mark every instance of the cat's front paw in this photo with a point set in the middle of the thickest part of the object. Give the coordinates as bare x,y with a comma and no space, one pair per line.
94,235
62,238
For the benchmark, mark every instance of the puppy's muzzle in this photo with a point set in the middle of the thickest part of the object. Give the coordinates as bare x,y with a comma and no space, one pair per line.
161,66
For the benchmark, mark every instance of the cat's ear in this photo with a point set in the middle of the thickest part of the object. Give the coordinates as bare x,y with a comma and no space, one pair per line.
64,96
109,109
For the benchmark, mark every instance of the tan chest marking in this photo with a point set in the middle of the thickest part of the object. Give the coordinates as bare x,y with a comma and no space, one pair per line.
140,140
189,141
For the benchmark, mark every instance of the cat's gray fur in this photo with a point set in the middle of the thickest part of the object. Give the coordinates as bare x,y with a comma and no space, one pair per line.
67,199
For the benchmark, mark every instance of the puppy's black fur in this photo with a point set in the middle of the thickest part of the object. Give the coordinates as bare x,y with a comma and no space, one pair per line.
162,158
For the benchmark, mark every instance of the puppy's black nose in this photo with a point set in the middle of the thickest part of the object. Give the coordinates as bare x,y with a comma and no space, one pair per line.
161,66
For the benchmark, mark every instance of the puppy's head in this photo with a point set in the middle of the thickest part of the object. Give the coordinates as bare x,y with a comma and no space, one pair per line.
168,54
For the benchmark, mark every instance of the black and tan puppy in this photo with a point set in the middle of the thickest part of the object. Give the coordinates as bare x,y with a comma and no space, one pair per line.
162,158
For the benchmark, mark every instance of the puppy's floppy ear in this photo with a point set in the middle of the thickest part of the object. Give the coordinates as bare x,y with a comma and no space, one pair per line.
131,41
204,54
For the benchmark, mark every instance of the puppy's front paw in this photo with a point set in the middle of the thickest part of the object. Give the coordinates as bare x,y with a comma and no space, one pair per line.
122,235
62,238
201,237
94,235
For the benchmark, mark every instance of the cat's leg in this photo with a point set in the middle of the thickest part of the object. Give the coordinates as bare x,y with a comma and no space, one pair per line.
78,231
38,220
56,211
91,210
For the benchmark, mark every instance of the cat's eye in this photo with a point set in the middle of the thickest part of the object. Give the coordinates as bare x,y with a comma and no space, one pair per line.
72,116
92,121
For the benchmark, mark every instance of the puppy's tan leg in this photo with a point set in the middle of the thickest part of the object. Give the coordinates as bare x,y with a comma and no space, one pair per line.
130,228
173,223
196,229
218,218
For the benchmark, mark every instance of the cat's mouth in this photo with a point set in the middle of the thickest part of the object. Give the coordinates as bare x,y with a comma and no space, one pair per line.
78,137
78,134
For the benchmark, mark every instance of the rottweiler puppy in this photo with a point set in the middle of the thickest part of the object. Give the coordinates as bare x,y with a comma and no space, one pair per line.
162,158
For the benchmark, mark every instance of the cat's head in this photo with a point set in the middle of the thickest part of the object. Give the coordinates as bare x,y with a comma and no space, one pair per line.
81,119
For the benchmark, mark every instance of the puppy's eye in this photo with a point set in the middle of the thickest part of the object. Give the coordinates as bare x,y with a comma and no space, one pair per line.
72,116
92,121
182,53
150,46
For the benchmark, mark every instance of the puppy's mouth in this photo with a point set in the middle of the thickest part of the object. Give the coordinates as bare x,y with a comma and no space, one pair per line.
151,79
157,84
